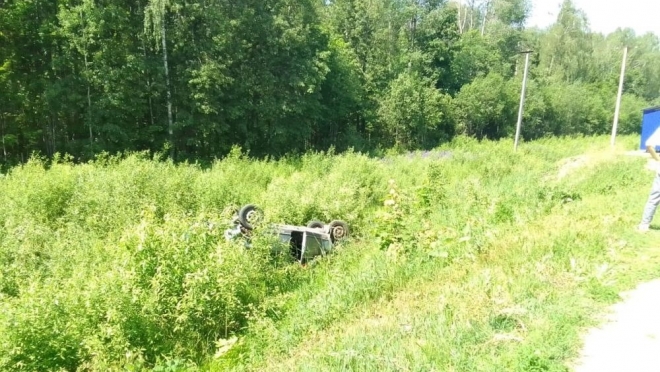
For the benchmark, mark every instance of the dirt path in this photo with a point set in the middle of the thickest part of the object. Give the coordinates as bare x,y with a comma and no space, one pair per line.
630,338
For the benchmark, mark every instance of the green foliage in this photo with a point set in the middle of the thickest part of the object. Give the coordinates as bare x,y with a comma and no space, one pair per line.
485,107
282,77
121,263
476,56
414,112
110,258
510,281
630,117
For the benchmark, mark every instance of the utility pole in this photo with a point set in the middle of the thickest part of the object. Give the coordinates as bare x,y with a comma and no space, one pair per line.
522,99
618,97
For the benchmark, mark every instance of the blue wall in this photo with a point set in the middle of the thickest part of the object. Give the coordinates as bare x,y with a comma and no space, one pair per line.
650,122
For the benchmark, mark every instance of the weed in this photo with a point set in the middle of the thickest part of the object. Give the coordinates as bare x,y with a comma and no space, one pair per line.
482,260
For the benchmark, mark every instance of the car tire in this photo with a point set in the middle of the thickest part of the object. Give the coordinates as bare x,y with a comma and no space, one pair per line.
338,230
250,216
314,224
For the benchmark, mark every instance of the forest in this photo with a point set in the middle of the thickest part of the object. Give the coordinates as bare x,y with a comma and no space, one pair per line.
191,79
131,131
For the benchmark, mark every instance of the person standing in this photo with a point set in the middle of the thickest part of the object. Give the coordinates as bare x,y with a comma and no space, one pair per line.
654,196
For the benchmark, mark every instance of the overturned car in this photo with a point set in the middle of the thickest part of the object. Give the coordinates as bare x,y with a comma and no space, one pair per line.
304,242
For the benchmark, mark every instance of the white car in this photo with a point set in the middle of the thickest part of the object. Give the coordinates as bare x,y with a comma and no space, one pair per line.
305,242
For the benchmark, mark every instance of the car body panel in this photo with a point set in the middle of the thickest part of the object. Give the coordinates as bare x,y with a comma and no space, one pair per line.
304,243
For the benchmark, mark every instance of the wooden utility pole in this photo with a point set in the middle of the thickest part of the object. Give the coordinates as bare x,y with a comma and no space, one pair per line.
522,100
618,97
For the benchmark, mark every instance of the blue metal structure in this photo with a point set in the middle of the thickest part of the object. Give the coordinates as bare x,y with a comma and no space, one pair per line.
650,123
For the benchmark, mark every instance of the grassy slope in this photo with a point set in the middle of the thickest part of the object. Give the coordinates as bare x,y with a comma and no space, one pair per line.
519,304
482,260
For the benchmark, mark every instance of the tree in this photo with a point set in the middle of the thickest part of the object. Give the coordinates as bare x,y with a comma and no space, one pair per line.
486,107
413,111
155,20
285,76
566,49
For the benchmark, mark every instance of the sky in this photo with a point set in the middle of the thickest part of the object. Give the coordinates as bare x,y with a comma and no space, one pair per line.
604,16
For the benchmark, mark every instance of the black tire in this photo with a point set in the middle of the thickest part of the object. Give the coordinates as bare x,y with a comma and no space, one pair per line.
250,216
338,230
314,224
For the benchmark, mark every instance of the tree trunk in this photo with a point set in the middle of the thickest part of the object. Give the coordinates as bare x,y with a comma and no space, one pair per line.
389,46
515,71
552,62
144,53
170,124
465,14
460,23
2,134
151,105
89,113
52,134
483,21
89,96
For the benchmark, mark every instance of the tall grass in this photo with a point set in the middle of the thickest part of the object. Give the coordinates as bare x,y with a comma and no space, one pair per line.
471,257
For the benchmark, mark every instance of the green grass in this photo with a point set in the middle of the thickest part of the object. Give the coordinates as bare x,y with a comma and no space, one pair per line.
484,260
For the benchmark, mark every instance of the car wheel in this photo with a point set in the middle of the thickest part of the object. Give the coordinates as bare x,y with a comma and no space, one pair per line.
250,216
338,230
314,224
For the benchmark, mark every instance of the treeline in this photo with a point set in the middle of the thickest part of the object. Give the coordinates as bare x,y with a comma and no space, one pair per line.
192,78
